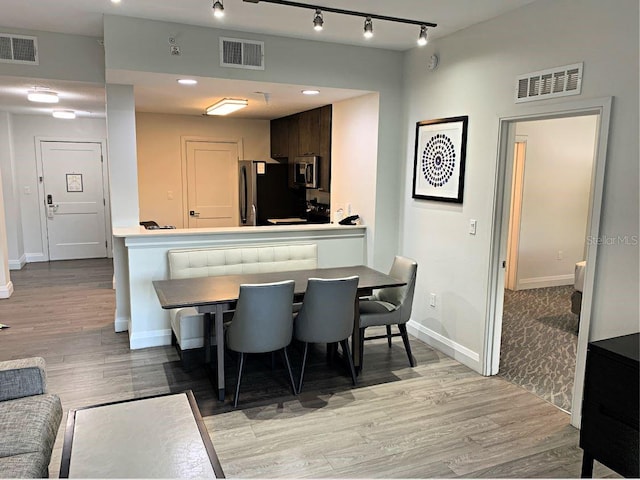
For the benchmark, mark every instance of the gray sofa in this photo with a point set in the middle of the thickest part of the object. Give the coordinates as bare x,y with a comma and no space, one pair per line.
29,419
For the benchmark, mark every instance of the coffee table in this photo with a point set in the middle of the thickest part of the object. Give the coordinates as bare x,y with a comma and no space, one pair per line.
162,436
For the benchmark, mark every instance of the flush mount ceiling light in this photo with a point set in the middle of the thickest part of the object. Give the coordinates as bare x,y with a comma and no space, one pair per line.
218,9
368,27
64,114
42,96
226,106
318,20
187,81
310,92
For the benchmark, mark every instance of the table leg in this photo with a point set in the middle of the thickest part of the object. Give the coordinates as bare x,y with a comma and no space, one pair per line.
220,349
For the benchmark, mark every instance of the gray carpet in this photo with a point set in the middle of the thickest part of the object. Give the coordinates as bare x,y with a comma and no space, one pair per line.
539,342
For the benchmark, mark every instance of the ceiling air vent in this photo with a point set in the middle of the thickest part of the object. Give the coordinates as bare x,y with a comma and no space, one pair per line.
553,82
18,49
241,53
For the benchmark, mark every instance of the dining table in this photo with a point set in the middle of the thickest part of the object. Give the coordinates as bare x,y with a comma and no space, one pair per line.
215,295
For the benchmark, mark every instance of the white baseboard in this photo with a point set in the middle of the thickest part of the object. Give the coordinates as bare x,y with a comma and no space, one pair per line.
121,324
447,346
153,338
6,290
18,264
541,282
36,257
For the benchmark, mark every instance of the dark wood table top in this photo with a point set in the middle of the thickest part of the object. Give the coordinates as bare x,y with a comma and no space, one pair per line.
194,292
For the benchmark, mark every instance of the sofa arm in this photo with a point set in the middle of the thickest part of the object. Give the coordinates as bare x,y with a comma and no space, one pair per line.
22,378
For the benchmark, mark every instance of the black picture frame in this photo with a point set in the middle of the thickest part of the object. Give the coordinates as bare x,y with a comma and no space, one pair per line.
439,160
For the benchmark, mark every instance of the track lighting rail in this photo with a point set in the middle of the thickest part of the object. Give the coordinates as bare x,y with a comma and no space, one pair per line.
346,12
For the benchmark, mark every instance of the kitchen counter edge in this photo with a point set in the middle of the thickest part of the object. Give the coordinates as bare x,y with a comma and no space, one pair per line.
129,232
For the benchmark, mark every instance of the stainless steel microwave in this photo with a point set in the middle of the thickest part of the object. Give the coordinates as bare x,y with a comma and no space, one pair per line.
306,172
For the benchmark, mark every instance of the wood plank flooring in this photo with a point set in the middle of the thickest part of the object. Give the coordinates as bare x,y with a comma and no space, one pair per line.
439,419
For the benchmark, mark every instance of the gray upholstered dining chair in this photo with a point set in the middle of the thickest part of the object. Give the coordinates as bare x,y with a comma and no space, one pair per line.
327,316
391,306
263,322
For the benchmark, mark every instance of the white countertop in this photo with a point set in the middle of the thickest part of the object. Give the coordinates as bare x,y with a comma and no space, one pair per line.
139,231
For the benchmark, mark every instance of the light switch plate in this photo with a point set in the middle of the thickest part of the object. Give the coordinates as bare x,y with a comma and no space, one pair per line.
473,224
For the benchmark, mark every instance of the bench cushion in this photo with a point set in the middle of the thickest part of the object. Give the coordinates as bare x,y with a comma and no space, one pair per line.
187,323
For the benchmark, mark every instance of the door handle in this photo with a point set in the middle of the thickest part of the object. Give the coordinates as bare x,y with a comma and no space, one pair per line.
194,213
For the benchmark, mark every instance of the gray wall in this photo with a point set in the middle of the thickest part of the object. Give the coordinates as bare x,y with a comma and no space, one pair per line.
476,77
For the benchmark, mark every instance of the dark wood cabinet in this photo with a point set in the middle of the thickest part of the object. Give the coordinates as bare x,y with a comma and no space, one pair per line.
309,132
280,138
609,429
304,134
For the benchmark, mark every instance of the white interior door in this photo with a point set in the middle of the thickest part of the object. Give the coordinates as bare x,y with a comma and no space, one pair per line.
74,200
212,184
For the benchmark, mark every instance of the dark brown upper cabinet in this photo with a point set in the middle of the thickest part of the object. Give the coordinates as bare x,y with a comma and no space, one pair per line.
304,134
280,138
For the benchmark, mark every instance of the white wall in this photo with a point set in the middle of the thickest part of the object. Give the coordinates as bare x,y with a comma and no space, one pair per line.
11,196
476,77
555,200
25,130
353,159
160,156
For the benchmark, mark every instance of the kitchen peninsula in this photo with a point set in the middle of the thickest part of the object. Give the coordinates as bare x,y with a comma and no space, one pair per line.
140,257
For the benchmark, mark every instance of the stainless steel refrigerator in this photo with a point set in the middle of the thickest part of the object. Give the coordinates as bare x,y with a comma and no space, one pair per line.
265,193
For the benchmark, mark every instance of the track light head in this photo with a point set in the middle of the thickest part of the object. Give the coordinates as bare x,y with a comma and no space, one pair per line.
318,21
218,9
422,38
368,28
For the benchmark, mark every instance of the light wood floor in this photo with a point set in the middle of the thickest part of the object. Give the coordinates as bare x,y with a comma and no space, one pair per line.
439,419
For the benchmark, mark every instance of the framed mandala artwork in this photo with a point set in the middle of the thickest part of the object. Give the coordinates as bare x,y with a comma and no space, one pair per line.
438,169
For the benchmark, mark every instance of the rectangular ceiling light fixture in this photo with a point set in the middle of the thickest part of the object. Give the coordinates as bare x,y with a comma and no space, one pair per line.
226,106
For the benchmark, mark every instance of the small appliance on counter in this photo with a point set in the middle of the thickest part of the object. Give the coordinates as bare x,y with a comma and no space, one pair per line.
317,212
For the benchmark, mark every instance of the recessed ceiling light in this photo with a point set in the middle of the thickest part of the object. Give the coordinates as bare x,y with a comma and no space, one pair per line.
311,92
187,81
64,114
115,1
42,96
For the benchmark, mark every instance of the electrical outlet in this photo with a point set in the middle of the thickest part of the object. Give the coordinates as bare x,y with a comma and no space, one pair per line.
560,255
473,224
170,195
432,299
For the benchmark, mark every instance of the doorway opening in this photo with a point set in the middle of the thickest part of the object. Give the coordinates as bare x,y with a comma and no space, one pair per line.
547,235
601,108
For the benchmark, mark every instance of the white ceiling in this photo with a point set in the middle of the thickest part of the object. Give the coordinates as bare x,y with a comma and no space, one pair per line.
161,93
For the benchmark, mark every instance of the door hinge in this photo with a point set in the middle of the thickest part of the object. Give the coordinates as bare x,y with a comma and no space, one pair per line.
105,244
101,159
104,202
504,264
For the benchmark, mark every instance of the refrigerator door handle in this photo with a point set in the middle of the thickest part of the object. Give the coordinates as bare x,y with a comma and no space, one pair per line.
253,213
243,195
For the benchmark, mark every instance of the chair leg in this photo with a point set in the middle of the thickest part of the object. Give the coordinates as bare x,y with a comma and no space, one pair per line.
240,366
347,353
304,363
286,360
361,348
389,335
405,338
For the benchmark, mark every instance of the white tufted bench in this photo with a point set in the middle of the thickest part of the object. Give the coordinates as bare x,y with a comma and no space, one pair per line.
186,323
